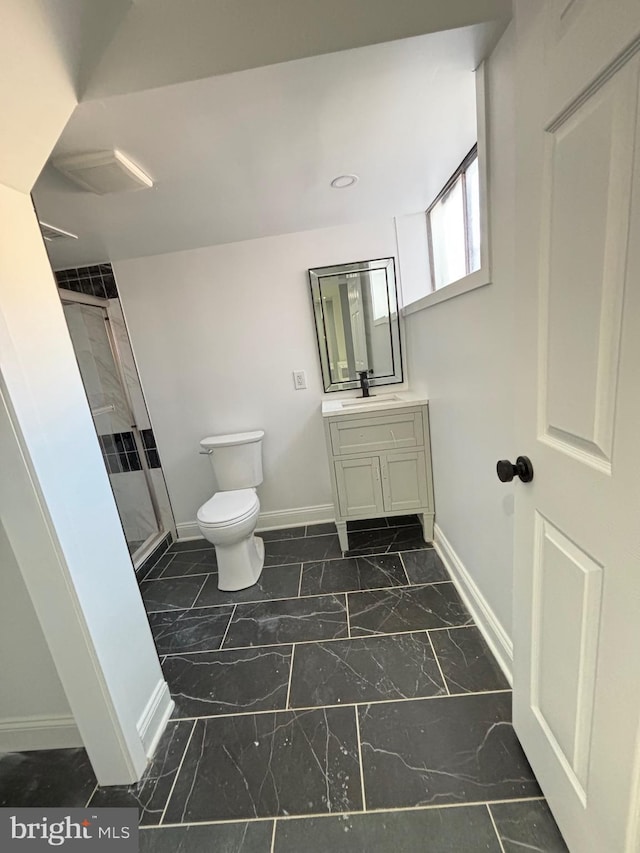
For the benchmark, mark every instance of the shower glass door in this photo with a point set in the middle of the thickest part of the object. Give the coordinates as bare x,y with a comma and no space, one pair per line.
120,440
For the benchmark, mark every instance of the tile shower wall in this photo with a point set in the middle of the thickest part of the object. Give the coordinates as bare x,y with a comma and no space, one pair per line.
93,281
117,443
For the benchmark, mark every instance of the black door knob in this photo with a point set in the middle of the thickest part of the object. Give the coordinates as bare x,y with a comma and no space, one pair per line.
507,470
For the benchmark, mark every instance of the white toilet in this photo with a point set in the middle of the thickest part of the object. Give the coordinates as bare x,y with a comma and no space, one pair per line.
228,519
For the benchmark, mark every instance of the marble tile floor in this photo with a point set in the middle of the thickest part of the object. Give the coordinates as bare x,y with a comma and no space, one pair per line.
342,703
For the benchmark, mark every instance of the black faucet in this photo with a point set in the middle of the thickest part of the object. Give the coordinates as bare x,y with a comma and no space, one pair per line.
364,381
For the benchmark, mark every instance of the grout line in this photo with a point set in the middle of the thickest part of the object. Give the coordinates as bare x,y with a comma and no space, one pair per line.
341,814
273,836
437,659
319,640
404,569
160,556
293,652
178,577
384,553
303,597
349,635
367,702
226,630
202,585
92,795
175,778
495,828
173,556
300,581
364,796
384,550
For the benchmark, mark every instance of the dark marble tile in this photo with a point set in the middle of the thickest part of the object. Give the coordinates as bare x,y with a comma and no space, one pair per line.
385,541
274,582
366,524
527,826
467,829
292,620
191,563
262,765
302,550
144,570
251,837
170,593
409,608
352,573
182,631
450,750
321,529
46,778
424,566
402,520
466,661
158,567
228,682
150,795
402,666
191,545
283,533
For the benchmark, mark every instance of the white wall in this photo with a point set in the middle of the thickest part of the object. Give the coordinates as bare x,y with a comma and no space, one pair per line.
60,516
56,505
32,694
461,352
217,333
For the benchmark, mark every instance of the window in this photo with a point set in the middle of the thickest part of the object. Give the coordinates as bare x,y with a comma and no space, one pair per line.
445,253
453,225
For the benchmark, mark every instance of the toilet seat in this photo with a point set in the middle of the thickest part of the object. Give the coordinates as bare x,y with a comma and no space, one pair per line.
228,508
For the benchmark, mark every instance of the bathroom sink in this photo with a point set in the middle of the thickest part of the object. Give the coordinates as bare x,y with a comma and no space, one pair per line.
370,404
366,401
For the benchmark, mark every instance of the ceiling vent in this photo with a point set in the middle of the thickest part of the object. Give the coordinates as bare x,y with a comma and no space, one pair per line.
103,171
51,233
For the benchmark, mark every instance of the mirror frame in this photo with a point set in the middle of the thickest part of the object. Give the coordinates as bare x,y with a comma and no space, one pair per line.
315,276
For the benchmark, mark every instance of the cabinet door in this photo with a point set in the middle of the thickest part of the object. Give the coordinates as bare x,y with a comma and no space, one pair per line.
404,481
359,487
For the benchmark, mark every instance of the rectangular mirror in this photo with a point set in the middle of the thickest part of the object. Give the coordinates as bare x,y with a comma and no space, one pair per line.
357,324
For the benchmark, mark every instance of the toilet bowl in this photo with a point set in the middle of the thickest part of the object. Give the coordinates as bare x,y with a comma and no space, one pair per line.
229,518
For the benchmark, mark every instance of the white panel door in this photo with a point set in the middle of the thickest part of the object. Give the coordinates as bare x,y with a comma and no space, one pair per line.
577,572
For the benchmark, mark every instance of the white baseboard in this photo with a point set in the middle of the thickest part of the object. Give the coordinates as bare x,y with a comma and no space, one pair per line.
155,716
25,734
188,530
274,520
497,638
296,517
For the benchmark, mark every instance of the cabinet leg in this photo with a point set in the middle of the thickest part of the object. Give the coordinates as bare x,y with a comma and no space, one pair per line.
342,535
427,527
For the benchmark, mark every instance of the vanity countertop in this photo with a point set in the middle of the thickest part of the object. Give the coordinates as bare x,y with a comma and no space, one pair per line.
375,403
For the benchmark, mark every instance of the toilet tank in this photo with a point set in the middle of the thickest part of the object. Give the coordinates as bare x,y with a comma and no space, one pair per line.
236,459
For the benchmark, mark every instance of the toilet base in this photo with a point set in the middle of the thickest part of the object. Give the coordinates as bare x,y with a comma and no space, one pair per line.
240,565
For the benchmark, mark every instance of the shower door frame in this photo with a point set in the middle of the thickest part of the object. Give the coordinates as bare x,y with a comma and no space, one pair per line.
151,542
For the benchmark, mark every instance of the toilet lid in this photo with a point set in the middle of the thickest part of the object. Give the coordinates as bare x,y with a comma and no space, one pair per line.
228,507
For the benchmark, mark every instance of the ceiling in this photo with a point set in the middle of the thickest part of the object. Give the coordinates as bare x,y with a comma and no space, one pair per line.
252,153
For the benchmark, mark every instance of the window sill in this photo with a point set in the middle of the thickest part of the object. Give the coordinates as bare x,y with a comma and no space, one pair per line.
477,279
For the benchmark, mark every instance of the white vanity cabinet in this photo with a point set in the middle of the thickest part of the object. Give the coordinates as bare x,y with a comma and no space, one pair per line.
380,461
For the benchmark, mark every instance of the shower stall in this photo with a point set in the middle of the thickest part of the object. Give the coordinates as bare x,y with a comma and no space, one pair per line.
103,351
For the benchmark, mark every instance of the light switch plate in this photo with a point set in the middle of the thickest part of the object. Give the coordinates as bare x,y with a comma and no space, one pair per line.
299,380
